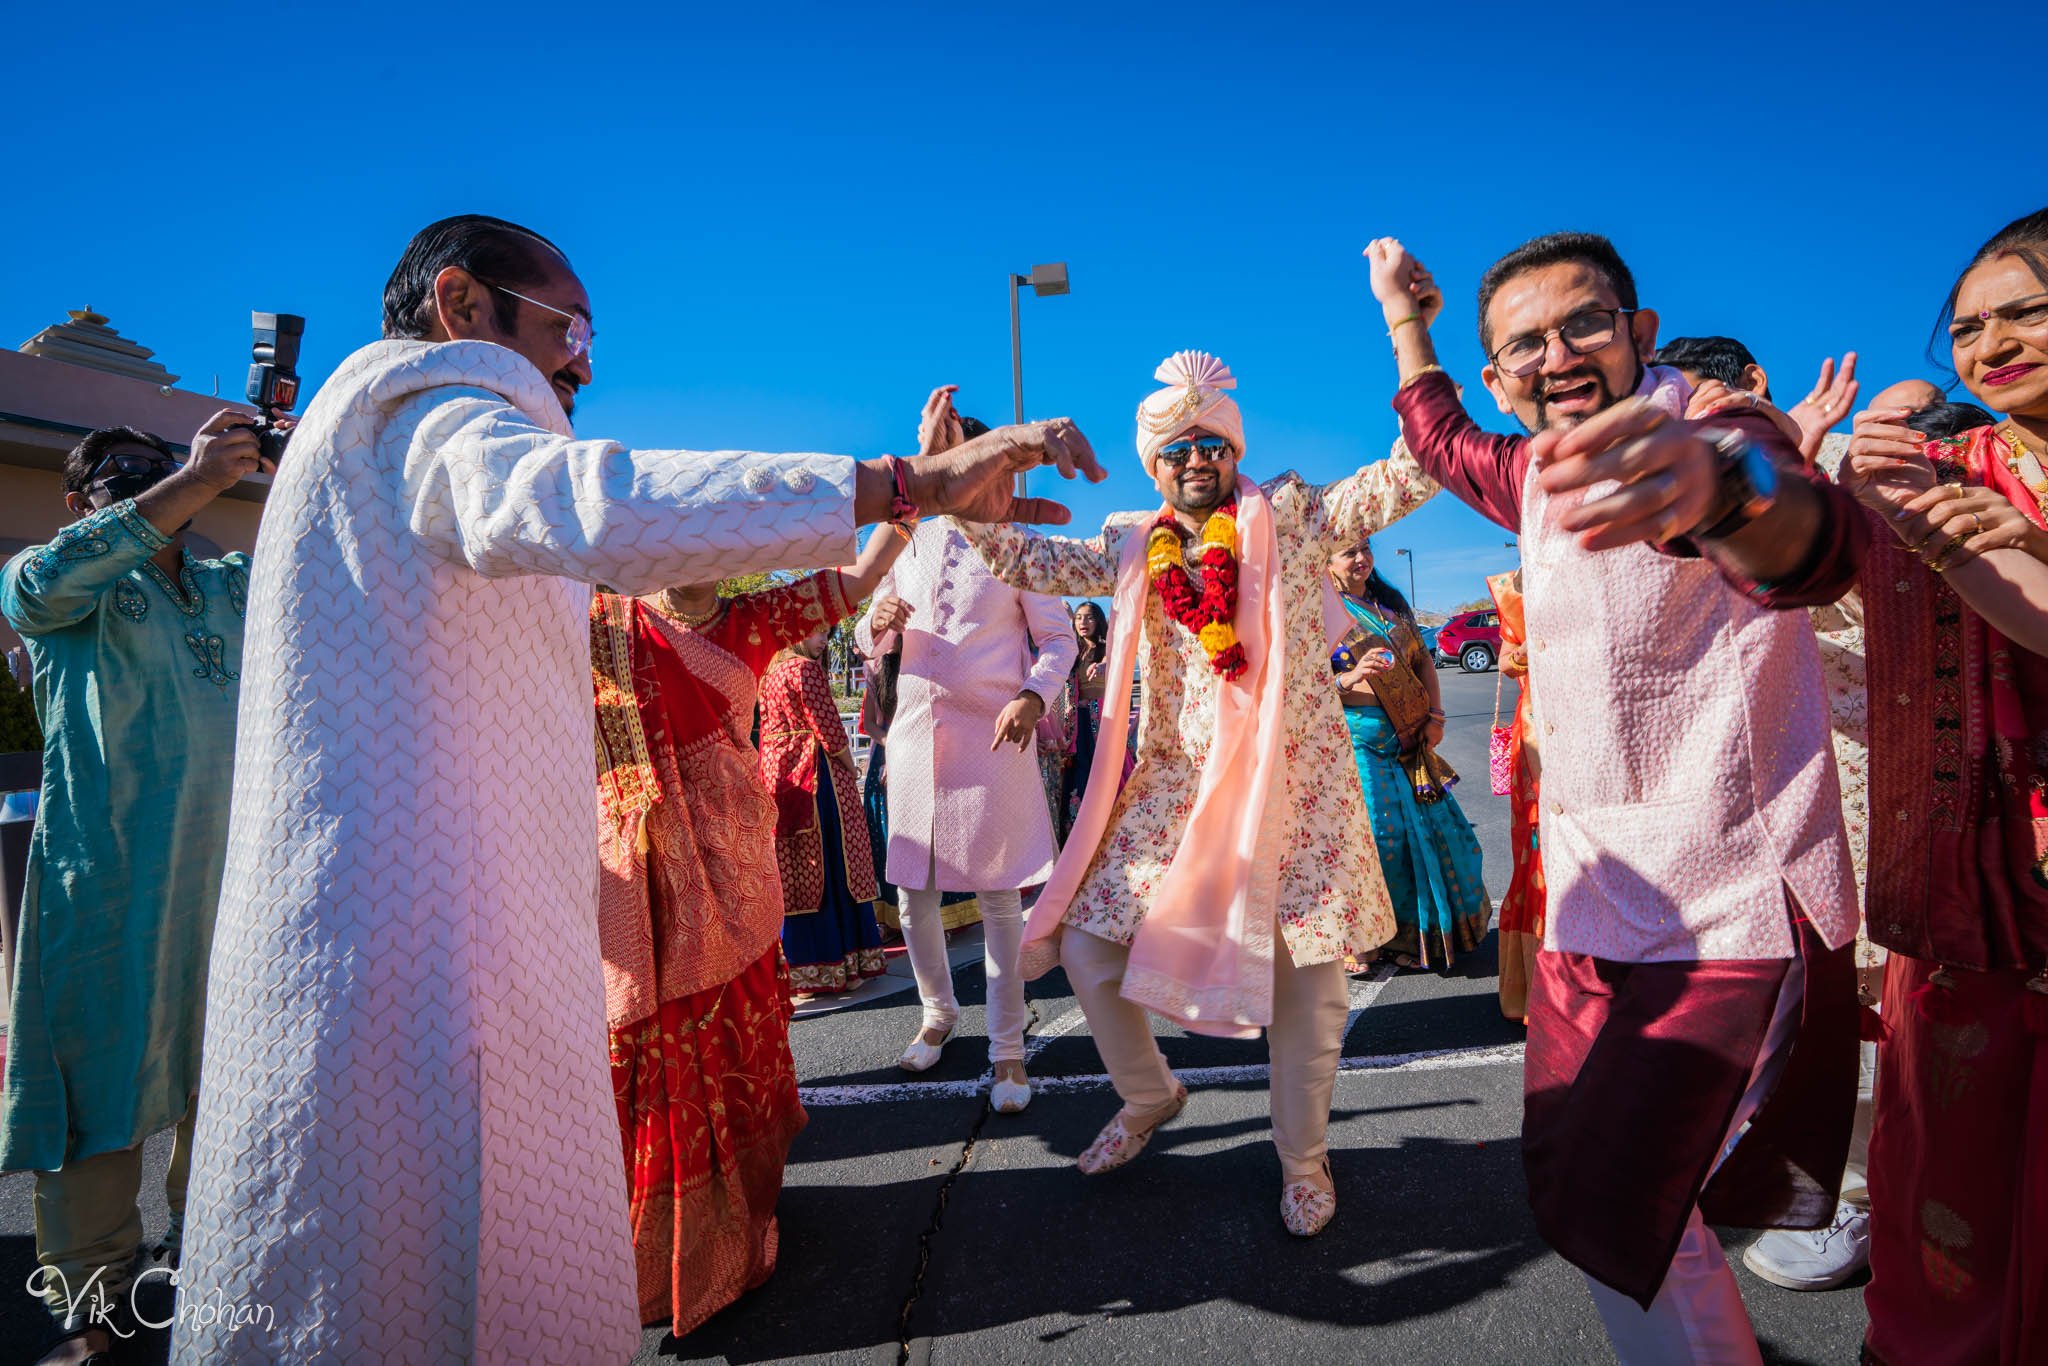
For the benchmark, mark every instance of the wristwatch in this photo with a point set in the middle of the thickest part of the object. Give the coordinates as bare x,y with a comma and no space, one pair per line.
1748,484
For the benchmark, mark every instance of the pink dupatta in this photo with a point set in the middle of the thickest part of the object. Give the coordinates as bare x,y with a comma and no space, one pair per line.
1203,958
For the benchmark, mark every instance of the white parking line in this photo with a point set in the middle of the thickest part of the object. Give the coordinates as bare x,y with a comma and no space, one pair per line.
1433,1060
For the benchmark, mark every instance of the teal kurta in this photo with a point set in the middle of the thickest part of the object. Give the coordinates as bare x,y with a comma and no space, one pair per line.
135,683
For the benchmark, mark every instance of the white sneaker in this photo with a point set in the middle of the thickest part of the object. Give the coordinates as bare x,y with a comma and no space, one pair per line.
1813,1259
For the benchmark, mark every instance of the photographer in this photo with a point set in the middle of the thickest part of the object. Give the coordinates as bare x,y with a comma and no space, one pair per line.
136,647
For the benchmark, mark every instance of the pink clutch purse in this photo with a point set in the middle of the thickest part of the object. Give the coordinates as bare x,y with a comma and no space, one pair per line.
1500,752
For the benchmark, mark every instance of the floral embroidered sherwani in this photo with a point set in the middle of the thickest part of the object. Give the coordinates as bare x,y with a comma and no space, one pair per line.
1333,898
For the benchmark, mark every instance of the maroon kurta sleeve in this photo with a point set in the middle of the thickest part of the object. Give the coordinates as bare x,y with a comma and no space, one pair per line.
1484,470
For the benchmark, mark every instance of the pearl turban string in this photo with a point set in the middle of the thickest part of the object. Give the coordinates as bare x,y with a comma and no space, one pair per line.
1193,397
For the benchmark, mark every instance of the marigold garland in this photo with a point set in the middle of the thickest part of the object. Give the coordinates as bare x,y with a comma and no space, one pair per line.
1210,611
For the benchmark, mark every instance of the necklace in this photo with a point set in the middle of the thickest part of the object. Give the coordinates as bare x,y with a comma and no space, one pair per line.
673,606
2022,461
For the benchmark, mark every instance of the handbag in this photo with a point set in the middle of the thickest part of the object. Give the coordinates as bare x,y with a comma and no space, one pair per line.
1500,750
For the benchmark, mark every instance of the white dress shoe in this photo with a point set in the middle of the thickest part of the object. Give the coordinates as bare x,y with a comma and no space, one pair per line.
922,1056
1009,1097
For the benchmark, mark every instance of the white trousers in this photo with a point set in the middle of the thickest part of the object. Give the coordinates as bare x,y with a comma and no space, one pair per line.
1698,1318
1002,930
1304,1043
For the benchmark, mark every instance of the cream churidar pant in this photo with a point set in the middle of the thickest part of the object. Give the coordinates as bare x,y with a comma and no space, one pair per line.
1304,1042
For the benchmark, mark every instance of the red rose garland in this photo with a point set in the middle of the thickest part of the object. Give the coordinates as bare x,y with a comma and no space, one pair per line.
1210,611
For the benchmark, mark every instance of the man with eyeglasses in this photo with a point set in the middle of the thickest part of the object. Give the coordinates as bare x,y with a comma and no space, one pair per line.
136,649
409,1149
1222,885
1696,965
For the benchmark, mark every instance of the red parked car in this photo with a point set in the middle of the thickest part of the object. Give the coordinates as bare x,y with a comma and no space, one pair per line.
1471,640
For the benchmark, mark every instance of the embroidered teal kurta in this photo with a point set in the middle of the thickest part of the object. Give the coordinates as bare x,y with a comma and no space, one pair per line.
135,684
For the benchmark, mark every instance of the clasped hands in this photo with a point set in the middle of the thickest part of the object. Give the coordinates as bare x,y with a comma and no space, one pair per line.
1943,524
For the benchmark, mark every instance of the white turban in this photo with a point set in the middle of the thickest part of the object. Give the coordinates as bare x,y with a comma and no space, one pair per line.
1193,397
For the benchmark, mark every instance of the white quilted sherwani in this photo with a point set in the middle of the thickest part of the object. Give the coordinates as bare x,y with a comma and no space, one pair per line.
407,1145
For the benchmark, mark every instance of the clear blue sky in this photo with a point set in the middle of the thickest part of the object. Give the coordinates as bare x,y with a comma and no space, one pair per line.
794,219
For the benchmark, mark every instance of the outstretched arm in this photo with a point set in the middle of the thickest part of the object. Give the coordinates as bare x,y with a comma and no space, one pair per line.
1053,564
876,559
1373,499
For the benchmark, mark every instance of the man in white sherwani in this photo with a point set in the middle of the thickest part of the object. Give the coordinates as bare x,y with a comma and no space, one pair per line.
408,1148
967,810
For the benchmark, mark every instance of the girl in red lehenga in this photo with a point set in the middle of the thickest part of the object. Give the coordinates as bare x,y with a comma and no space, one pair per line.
1958,866
1521,910
689,918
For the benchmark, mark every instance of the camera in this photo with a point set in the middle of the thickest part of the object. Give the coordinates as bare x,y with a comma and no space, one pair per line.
274,377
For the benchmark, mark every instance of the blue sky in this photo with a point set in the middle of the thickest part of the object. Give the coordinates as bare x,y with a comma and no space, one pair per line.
794,220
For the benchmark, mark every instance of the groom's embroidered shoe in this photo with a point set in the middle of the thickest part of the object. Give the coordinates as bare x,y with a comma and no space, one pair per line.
1125,1136
1306,1208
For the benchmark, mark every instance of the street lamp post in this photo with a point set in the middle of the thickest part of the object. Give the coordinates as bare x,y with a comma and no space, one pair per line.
1411,574
1044,281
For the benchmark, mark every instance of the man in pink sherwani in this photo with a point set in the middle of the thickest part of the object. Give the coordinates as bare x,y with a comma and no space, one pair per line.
1696,971
967,808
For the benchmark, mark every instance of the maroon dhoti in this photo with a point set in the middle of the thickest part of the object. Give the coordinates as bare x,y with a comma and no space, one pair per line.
1633,1076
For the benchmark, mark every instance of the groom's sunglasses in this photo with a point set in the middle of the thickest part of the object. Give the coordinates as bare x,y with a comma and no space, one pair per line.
1213,450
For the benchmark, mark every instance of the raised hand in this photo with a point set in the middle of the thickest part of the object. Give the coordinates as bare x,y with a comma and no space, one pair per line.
1833,396
224,450
975,480
938,426
1885,466
1715,397
1392,270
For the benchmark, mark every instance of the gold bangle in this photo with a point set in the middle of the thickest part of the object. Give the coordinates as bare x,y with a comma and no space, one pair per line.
1411,318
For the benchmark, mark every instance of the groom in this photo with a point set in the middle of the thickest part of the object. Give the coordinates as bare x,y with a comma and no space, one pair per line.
1222,601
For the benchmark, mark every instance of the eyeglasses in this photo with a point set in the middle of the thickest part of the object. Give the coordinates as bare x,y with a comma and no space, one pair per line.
2029,313
580,333
1582,335
1213,450
133,463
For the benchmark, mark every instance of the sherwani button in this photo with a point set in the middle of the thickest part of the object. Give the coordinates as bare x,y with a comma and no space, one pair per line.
799,481
1557,808
758,481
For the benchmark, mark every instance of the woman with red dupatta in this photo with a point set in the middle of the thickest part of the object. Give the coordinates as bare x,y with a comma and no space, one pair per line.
689,920
1521,908
1958,880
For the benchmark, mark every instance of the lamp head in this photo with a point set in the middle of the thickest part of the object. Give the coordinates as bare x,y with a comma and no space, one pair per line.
1048,279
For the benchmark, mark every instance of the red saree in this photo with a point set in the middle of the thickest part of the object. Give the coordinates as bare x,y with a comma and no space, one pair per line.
1959,892
689,908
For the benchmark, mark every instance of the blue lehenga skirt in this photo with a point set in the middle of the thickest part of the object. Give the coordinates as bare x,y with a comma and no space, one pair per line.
1434,871
838,946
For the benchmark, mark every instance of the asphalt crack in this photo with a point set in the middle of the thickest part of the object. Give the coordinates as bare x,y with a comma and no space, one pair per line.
904,1337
